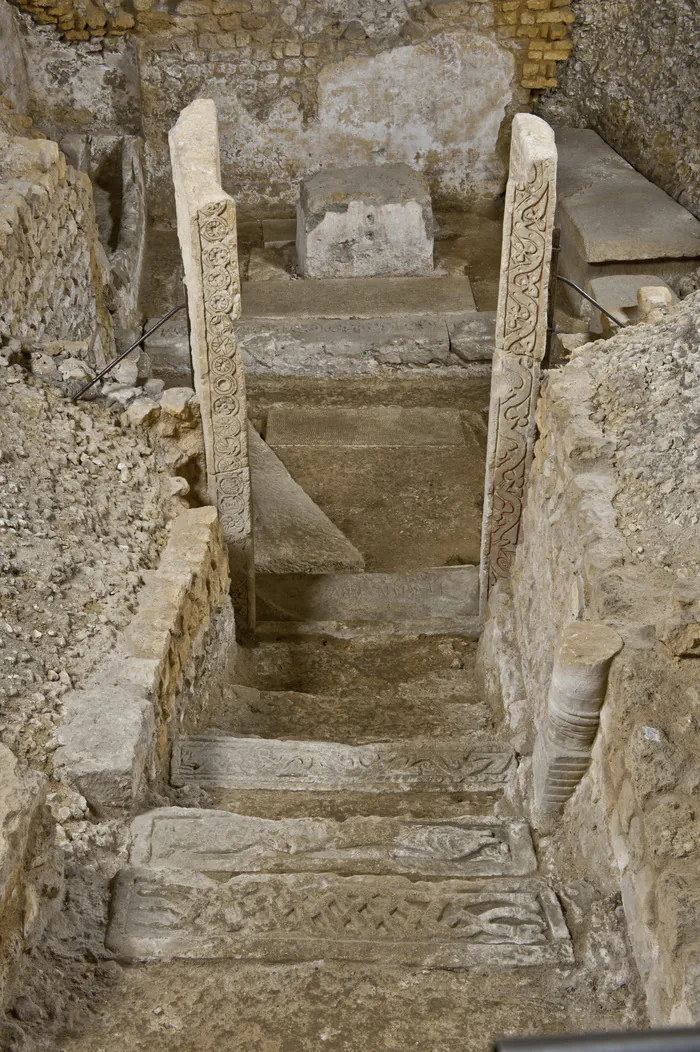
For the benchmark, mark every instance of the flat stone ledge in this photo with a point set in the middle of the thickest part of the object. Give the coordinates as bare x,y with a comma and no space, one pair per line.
381,426
450,924
221,842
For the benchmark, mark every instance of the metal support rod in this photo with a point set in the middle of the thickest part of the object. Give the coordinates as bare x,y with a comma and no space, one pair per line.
118,359
591,300
548,359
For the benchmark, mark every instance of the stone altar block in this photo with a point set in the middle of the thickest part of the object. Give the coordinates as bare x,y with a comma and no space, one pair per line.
368,221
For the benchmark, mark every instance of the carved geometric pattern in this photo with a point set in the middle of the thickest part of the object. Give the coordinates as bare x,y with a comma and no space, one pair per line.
165,913
255,763
218,841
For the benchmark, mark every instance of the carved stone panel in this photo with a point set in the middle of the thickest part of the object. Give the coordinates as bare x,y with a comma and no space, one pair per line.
403,766
218,841
162,913
521,332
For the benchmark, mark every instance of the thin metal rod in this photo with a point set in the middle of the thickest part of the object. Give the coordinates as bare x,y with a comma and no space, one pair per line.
590,299
117,360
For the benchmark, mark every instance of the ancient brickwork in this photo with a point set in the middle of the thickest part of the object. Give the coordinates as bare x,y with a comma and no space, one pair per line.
50,272
521,331
545,25
600,544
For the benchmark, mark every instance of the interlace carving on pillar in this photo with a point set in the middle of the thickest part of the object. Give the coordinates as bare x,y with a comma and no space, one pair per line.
521,316
229,475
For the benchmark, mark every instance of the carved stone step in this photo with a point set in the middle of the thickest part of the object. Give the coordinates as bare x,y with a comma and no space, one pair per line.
445,592
221,842
394,767
164,913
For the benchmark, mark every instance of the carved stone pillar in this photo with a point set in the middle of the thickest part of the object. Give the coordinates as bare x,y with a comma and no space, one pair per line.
576,695
206,226
521,333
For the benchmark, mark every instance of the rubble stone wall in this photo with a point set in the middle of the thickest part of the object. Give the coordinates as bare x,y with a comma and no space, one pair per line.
632,77
51,270
596,547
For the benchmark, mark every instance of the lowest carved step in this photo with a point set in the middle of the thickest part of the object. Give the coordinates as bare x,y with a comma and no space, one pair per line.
220,762
161,913
218,841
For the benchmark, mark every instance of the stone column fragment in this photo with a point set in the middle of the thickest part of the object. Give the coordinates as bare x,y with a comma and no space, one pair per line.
576,695
206,226
521,333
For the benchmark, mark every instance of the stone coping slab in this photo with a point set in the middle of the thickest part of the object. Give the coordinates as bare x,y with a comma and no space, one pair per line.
357,297
449,924
377,426
432,765
221,842
445,592
611,211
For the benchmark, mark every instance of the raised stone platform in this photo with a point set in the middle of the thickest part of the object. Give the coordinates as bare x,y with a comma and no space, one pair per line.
450,924
430,766
221,842
365,221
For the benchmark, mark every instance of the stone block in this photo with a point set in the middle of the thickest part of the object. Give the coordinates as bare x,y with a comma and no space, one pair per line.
372,220
377,426
619,293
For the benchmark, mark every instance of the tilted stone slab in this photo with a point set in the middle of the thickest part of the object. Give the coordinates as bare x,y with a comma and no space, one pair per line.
302,917
378,426
446,592
357,297
221,842
222,762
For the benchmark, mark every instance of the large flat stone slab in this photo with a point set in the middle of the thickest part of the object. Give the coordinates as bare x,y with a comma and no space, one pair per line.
372,219
292,534
446,592
357,297
221,842
450,924
612,211
378,426
404,766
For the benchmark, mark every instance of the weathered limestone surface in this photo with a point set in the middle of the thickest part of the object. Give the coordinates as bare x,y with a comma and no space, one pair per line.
409,766
378,426
115,732
521,330
221,842
613,220
446,592
358,297
206,219
299,917
618,293
292,534
51,263
363,222
576,695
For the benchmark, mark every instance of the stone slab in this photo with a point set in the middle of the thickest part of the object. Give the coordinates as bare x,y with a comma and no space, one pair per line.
304,347
221,842
618,293
169,350
446,592
465,628
611,211
473,336
292,534
357,297
377,426
279,232
301,917
218,761
371,219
